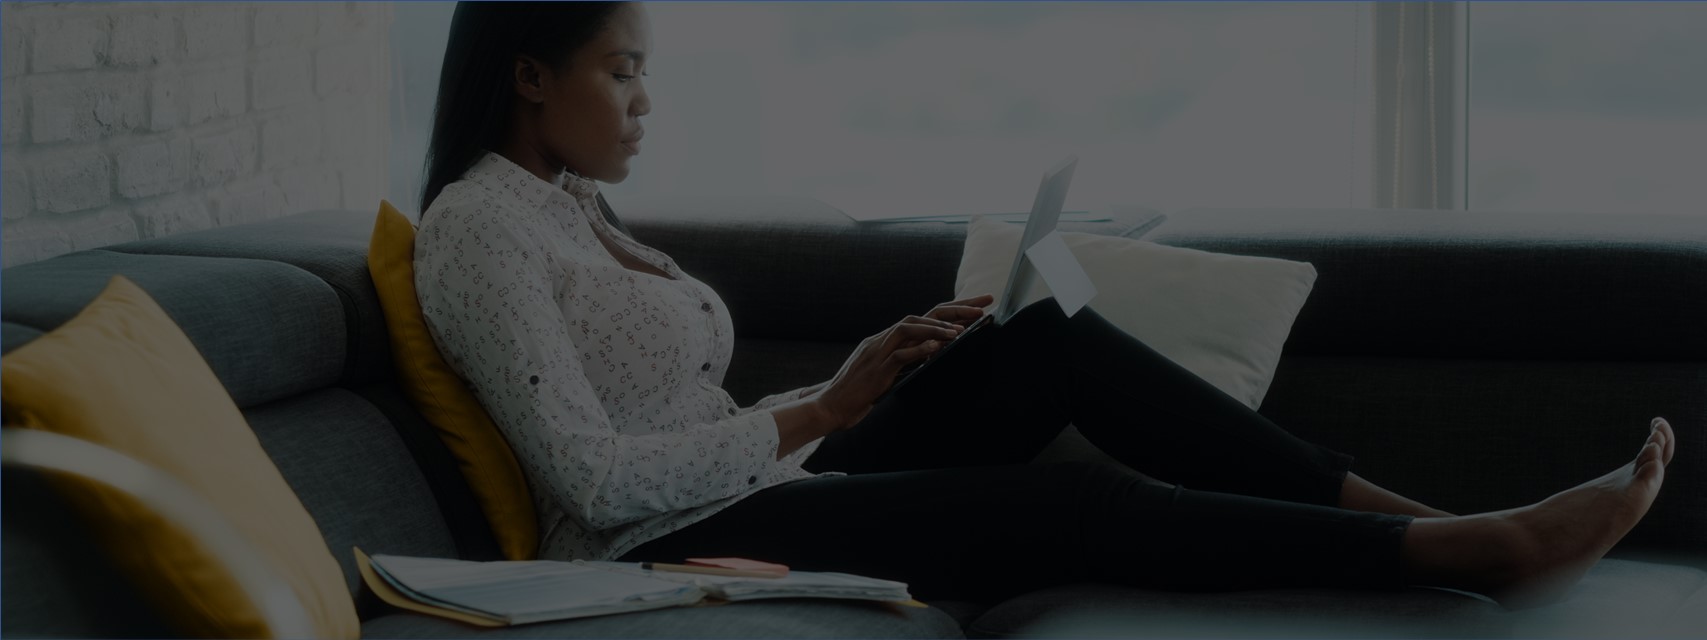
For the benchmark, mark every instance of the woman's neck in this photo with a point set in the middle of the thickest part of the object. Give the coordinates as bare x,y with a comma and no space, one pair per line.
532,159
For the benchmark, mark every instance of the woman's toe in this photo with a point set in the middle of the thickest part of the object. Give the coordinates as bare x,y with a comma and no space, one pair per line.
1667,439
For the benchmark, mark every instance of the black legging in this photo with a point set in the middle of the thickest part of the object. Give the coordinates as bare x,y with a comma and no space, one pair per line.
940,496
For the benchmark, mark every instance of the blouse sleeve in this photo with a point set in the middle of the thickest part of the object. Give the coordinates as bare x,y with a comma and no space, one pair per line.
487,296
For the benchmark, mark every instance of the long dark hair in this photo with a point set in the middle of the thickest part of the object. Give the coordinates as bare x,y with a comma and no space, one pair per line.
472,114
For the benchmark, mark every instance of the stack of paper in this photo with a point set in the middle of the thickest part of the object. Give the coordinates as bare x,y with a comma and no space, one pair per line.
798,584
523,592
495,594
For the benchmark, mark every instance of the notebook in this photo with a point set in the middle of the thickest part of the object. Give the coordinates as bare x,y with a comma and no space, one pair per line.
511,592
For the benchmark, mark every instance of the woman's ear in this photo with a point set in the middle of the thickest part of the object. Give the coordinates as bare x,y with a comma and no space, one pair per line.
529,79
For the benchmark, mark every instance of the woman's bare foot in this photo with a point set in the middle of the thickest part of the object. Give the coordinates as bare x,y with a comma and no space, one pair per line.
1533,555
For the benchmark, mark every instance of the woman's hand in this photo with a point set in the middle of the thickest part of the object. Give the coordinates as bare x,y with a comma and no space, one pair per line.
872,368
961,312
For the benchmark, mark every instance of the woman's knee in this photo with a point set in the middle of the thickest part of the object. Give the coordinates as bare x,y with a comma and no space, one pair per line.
1097,507
1096,488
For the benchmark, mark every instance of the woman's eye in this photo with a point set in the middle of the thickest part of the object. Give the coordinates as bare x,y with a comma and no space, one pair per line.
625,78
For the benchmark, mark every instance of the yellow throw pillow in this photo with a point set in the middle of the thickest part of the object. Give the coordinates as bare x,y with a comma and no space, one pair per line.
123,375
442,397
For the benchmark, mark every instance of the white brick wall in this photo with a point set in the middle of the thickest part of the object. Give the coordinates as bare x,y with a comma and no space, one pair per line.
71,180
125,121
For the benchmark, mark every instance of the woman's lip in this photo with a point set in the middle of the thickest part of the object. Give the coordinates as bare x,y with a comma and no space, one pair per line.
633,147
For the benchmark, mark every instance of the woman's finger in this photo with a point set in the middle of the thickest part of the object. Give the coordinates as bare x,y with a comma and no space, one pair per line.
980,300
957,315
902,357
927,319
906,332
921,331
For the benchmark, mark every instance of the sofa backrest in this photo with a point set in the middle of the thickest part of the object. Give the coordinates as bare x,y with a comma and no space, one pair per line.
332,246
1502,286
286,317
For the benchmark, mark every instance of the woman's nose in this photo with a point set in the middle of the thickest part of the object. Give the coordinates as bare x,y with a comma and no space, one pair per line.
642,103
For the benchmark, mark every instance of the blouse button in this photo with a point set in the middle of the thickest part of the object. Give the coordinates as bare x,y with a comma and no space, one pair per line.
705,307
731,410
705,367
533,379
752,479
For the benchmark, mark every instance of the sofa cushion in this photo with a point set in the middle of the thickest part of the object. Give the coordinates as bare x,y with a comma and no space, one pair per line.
964,612
1624,599
1543,286
783,618
1108,610
482,454
474,540
1617,599
122,375
292,333
354,475
1222,317
766,255
329,244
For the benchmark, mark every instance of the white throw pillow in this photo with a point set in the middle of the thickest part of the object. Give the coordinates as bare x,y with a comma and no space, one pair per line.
1223,317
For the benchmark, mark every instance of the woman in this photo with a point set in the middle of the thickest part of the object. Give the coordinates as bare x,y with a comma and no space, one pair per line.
600,360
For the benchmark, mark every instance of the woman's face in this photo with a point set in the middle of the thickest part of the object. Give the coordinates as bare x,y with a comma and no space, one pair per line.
588,110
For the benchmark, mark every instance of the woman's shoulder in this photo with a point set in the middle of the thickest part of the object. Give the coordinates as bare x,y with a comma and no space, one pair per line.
465,209
461,202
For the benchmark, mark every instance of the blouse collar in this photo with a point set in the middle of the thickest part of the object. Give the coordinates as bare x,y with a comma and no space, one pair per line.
577,186
499,173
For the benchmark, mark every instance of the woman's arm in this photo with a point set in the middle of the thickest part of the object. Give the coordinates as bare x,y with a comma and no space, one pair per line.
799,423
779,399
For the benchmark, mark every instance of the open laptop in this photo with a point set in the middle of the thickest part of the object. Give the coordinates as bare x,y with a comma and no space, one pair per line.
1045,211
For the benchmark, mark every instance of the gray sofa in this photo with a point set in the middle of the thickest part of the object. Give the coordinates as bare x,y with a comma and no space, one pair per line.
1474,361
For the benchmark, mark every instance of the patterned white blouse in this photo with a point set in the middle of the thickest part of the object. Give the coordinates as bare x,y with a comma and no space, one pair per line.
604,380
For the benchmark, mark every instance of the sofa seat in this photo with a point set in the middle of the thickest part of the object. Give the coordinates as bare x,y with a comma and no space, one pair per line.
783,618
1618,599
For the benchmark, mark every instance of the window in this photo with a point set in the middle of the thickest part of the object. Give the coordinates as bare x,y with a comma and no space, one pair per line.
958,107
1598,107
